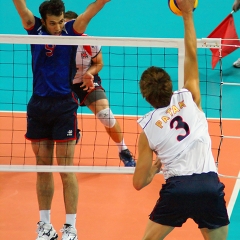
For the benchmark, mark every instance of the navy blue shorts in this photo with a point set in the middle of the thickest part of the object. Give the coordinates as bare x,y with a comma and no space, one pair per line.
197,196
51,118
86,98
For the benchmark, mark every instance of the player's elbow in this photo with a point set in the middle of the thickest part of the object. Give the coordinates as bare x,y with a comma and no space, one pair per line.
100,66
137,185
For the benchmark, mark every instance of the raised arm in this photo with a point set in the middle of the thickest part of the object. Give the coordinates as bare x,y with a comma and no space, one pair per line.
97,64
191,76
25,14
83,19
236,5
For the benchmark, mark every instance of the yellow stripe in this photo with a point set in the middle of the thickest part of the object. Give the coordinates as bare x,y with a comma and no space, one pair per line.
174,8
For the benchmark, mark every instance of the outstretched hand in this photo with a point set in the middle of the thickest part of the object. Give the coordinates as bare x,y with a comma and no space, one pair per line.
186,6
87,83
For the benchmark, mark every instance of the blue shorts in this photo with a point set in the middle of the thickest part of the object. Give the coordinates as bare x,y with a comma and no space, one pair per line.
51,118
197,196
86,98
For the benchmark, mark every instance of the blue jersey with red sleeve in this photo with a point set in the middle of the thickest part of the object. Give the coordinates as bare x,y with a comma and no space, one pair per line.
53,66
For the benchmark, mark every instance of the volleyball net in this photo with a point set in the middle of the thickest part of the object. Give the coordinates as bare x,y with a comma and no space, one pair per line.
124,61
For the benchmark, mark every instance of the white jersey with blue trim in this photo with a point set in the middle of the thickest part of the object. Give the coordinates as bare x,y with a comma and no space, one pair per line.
84,60
179,135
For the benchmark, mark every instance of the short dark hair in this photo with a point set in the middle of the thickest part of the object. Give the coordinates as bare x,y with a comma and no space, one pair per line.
70,15
51,7
156,87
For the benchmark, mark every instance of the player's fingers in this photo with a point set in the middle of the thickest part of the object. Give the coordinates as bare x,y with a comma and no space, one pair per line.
90,89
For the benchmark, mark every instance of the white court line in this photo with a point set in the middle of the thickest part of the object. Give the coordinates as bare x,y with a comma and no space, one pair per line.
234,196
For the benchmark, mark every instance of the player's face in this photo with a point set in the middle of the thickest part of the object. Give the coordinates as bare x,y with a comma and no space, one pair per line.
54,24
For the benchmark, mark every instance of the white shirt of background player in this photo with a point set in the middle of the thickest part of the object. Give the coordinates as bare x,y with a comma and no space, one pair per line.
84,61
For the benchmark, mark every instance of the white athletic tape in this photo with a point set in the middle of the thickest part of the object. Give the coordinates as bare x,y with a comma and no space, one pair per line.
106,117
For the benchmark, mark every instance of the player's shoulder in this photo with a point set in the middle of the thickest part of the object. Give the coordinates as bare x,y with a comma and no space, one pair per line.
36,29
146,117
181,95
182,90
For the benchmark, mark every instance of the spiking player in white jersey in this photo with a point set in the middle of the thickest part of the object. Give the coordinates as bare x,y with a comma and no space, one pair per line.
177,132
168,126
89,62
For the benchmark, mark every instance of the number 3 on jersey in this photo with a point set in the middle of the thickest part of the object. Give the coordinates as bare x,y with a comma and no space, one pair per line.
180,124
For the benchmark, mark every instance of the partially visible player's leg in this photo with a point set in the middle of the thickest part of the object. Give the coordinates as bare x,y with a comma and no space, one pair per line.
212,217
65,133
64,153
236,64
37,130
156,231
98,104
102,111
215,234
43,151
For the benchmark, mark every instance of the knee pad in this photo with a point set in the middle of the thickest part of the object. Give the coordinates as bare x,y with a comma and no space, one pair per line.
106,117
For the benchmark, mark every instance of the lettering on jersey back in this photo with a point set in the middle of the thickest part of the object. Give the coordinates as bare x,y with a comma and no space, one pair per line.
172,110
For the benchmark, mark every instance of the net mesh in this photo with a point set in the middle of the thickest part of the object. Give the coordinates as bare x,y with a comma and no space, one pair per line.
124,61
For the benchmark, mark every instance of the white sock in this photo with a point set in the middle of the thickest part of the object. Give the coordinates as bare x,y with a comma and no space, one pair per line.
121,146
45,215
71,219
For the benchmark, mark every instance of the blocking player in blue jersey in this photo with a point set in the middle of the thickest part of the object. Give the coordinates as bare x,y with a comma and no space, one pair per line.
52,109
177,132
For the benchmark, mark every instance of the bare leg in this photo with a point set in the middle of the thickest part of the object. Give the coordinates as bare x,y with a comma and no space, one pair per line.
115,132
65,153
155,231
43,151
215,234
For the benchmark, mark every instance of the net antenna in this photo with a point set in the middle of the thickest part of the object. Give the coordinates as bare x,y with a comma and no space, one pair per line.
136,54
222,85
